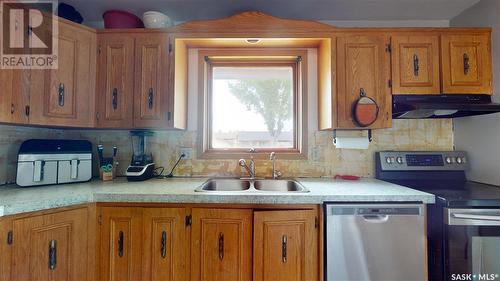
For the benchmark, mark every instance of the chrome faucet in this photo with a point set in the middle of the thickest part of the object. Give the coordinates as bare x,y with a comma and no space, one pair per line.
276,173
250,168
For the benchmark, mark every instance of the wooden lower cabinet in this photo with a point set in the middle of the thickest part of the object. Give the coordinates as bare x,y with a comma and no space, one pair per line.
5,249
120,240
143,244
285,246
165,244
50,247
221,244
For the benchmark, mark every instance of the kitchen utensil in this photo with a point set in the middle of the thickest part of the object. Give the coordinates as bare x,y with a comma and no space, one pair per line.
121,19
153,19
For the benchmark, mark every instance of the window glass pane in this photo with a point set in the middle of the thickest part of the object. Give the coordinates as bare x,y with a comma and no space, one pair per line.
252,107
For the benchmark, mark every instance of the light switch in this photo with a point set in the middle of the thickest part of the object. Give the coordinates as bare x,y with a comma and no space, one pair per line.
2,210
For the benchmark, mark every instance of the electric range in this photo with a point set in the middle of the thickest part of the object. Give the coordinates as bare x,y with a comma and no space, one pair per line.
463,226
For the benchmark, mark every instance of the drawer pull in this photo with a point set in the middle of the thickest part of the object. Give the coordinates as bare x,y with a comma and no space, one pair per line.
120,244
284,243
221,246
52,254
114,101
466,64
164,244
150,98
416,65
61,94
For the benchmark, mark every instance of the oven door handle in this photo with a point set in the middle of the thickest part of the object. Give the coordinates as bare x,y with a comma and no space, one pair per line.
477,217
473,217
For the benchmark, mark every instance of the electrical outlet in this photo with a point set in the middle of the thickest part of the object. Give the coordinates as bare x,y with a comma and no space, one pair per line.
188,152
2,211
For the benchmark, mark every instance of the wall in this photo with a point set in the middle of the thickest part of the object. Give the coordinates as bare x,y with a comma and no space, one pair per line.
480,135
323,158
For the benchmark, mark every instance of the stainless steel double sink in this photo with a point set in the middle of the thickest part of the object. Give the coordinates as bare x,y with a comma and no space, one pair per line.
245,185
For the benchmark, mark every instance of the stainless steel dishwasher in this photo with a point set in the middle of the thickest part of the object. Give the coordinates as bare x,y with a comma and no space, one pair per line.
375,242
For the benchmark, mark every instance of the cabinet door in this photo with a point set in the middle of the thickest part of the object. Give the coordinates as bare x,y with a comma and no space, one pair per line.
285,246
51,247
415,64
221,245
151,81
363,65
5,249
115,80
466,64
65,96
165,248
121,238
14,96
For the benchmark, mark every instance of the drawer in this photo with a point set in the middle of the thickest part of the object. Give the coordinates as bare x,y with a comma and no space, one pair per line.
74,171
36,173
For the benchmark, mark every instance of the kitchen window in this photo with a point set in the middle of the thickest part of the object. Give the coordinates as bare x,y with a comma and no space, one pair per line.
252,101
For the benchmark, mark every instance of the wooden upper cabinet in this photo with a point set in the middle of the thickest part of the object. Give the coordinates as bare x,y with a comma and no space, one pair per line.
165,247
51,247
466,63
115,80
285,246
221,245
15,96
65,96
415,64
363,66
151,81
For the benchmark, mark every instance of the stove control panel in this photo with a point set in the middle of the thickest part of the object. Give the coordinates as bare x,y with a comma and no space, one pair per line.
422,160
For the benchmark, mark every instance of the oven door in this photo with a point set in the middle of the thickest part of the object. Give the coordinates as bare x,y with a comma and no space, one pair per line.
472,244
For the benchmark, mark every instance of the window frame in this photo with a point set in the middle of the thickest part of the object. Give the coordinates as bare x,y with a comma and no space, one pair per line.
210,58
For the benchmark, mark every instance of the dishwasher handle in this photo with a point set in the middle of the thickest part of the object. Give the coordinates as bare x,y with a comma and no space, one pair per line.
376,218
373,212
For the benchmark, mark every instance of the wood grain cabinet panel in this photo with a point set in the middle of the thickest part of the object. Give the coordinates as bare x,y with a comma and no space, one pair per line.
466,63
221,245
121,242
415,64
115,81
285,246
5,249
363,65
165,244
14,97
151,81
65,96
51,247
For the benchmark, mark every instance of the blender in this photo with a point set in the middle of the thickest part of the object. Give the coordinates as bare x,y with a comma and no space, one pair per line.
142,166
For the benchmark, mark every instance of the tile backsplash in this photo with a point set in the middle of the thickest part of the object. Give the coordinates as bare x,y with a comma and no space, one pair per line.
323,159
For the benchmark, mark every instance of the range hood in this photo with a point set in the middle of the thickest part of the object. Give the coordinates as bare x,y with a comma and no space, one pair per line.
441,106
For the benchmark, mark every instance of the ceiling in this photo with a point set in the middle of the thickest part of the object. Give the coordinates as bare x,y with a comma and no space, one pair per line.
325,10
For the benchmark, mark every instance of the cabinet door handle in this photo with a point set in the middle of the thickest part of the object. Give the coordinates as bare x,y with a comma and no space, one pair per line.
61,94
221,246
12,108
466,64
416,66
151,94
284,242
164,244
120,244
115,98
52,254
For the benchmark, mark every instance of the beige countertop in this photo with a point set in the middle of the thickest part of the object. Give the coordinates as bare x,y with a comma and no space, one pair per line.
15,199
